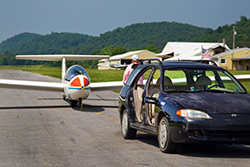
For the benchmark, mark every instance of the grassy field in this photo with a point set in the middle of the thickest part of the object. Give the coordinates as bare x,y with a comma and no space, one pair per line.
97,75
245,82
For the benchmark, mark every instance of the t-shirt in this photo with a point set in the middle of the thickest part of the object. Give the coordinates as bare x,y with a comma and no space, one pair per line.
127,72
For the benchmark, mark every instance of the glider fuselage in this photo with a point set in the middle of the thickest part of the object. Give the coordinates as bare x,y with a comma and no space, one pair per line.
76,83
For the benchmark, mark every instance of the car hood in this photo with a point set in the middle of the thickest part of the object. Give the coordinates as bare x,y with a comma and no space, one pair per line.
211,102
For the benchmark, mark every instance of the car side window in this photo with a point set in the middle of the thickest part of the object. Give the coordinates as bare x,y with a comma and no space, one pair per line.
154,85
175,80
131,77
142,79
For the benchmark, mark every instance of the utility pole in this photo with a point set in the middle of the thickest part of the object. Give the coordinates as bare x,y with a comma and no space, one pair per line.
234,33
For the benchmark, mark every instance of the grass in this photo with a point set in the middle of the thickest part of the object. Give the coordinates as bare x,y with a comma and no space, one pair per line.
49,71
244,82
242,72
105,75
100,75
95,74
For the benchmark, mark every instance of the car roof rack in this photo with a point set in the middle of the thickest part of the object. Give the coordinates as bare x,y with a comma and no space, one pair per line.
205,62
149,61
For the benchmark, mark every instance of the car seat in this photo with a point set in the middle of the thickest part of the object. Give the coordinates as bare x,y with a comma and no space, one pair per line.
202,82
155,93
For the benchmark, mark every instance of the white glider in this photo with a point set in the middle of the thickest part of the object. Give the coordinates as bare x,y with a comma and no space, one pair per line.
75,83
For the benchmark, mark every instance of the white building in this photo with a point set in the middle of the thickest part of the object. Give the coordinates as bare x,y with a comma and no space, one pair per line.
103,64
125,58
190,50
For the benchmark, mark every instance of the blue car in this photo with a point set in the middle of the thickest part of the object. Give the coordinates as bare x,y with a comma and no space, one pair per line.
184,102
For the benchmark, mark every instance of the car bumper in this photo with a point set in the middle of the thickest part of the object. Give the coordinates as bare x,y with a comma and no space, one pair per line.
190,131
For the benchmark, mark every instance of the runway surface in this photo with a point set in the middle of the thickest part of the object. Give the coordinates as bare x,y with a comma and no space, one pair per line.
39,129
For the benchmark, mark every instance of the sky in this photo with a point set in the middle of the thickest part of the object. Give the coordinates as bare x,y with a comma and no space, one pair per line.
95,17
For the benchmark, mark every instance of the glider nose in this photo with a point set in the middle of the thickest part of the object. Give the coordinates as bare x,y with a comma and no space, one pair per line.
80,82
85,81
76,82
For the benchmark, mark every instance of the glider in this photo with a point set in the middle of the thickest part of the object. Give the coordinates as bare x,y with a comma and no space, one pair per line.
122,66
75,83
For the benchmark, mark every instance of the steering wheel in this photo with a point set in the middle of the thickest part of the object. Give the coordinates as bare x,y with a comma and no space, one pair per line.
213,86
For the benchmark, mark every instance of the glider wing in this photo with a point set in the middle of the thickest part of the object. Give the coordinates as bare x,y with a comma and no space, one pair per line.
102,86
32,85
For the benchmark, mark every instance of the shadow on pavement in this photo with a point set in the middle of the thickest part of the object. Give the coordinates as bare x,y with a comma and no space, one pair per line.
147,138
202,150
215,150
93,108
33,107
102,99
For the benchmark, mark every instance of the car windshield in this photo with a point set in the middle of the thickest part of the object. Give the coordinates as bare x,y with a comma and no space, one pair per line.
194,80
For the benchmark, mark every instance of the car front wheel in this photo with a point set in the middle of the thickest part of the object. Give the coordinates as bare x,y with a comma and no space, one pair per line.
165,143
127,132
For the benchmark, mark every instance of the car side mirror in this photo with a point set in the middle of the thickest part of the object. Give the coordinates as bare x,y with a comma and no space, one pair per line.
151,100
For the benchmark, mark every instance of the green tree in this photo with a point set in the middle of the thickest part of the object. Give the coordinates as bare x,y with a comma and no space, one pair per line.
153,48
111,50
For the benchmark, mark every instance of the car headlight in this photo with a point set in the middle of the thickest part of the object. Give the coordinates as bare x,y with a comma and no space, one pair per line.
189,113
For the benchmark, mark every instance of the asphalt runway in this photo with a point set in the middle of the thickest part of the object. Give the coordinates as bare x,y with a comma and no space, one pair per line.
39,129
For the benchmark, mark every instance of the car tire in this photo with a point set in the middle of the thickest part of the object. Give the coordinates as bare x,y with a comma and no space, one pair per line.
127,131
165,143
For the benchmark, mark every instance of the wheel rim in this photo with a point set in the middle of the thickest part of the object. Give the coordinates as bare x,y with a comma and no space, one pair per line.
163,134
124,123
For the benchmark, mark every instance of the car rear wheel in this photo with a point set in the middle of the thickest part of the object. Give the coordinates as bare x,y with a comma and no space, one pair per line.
165,143
127,132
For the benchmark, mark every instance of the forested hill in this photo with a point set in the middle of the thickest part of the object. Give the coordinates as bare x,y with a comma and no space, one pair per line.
137,36
29,43
18,40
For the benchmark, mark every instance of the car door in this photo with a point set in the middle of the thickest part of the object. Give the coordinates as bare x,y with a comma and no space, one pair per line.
152,90
134,97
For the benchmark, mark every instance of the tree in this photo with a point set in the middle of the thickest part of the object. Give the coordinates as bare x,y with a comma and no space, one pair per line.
111,50
153,48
